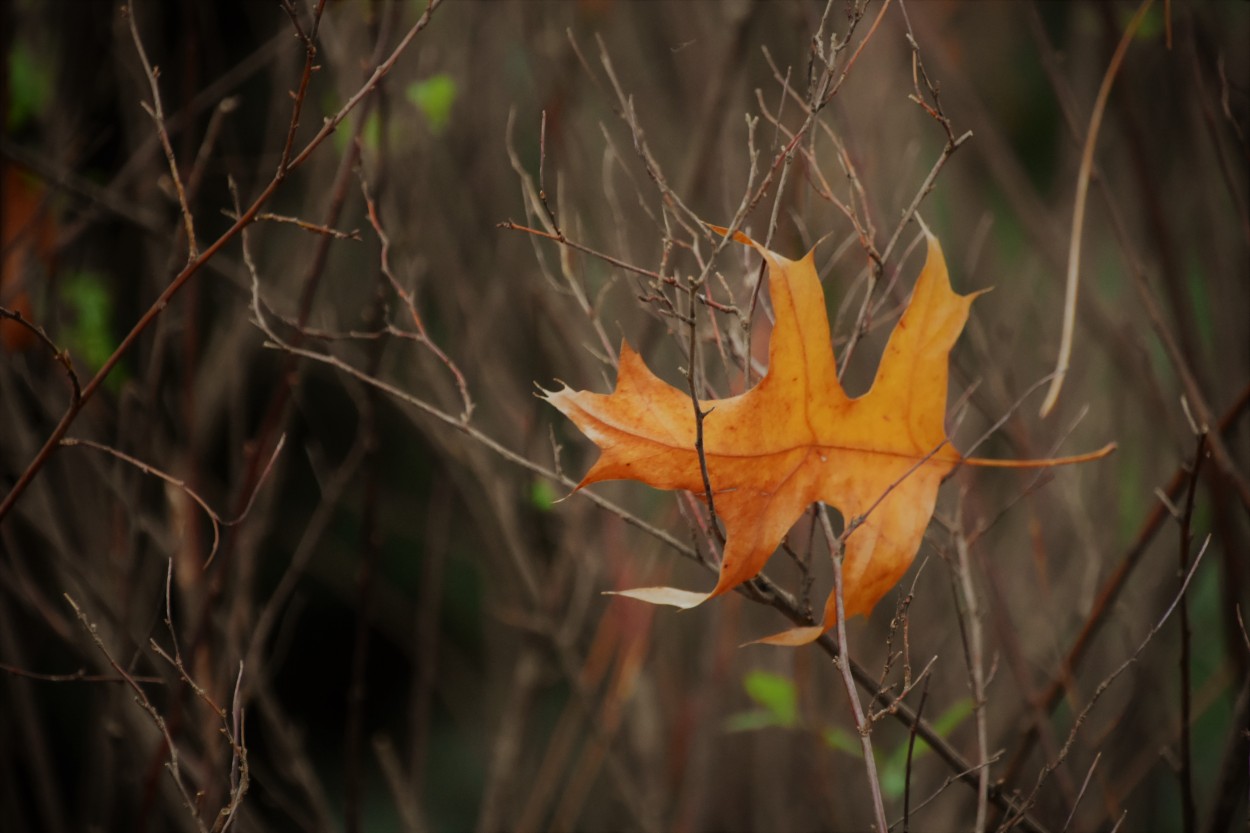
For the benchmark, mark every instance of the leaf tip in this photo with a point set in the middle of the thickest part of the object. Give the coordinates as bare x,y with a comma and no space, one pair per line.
793,638
932,238
738,235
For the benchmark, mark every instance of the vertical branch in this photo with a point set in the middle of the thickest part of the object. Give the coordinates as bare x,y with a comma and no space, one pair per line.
911,748
157,111
695,285
356,690
974,655
370,548
309,39
1188,807
863,726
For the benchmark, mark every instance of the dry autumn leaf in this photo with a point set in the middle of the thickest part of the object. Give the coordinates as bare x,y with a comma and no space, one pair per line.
797,438
28,240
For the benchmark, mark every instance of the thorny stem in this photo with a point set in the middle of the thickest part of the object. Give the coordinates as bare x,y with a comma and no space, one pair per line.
699,415
701,283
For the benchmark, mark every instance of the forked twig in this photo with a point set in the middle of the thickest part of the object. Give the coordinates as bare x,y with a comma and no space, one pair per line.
410,303
157,112
181,485
141,697
61,356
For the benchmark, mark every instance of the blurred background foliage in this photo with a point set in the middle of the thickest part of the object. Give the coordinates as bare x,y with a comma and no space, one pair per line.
418,620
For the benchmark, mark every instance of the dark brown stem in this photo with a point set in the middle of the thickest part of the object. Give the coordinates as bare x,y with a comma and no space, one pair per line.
911,747
1189,813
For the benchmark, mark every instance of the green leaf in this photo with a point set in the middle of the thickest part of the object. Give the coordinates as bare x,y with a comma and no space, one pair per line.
950,719
30,86
90,336
750,721
434,97
893,771
1152,25
542,496
843,741
776,694
369,135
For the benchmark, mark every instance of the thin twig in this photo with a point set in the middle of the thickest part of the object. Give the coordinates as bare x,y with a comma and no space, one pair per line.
157,112
315,228
61,356
911,748
1111,587
638,270
141,697
874,275
1081,794
1185,772
1078,210
181,485
863,727
970,627
79,676
240,775
1051,766
962,775
410,303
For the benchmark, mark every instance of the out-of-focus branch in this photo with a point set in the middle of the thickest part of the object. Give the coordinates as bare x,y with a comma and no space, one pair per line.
246,217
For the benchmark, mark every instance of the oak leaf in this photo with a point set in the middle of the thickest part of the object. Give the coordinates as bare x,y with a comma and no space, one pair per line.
796,438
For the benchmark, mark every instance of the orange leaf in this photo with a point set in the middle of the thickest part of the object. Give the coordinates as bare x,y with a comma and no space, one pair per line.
796,438
28,238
